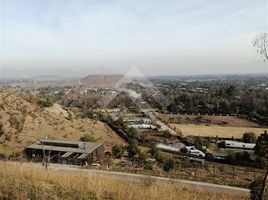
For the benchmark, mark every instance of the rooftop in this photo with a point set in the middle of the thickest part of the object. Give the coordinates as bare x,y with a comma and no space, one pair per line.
65,146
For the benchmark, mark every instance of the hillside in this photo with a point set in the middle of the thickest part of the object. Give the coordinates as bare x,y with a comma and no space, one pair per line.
24,122
22,181
104,81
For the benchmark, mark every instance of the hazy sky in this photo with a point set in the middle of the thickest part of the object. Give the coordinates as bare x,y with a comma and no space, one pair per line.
165,37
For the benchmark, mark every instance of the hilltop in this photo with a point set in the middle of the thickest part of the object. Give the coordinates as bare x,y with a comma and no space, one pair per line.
104,81
24,122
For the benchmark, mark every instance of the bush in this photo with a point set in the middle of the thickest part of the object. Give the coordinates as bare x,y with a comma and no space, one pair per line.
132,150
143,156
256,189
88,138
249,137
16,123
245,159
261,148
2,131
198,143
132,133
169,164
118,150
45,102
155,153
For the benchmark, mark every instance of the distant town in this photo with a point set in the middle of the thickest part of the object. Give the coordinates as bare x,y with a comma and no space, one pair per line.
205,129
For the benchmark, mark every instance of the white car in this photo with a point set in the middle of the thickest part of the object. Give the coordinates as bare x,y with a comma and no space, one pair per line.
195,152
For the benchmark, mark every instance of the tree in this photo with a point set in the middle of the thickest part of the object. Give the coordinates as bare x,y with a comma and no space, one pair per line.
198,143
256,189
88,138
118,150
132,150
169,164
45,102
143,156
261,148
249,137
260,43
155,153
172,107
133,133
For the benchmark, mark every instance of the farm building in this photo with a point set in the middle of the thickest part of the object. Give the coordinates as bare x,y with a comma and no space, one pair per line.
168,148
176,148
236,145
65,152
143,126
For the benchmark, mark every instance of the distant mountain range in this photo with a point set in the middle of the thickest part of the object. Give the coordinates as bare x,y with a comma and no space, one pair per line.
90,81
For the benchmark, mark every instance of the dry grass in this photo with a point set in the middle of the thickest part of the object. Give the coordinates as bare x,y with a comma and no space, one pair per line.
212,130
231,121
24,182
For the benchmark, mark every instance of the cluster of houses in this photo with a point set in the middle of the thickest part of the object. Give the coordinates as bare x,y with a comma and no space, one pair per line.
193,152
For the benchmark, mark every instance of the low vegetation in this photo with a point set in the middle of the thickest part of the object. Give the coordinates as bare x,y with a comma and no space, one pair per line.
256,189
45,102
118,151
249,137
88,138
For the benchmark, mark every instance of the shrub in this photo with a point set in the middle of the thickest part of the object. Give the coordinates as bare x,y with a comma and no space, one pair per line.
249,137
143,156
2,131
133,133
16,123
155,153
256,189
169,164
198,143
45,102
261,148
118,150
132,150
88,138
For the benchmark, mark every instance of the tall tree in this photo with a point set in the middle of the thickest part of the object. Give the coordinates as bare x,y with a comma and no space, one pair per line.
132,150
261,149
260,43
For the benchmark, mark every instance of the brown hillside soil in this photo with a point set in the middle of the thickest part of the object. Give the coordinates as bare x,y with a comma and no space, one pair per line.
33,123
